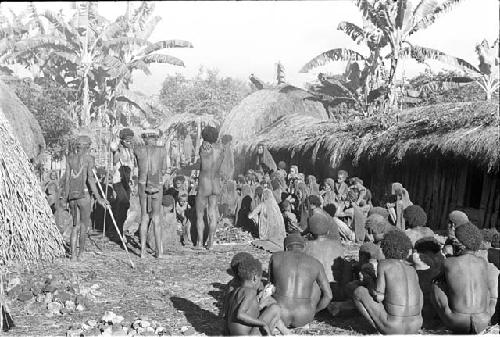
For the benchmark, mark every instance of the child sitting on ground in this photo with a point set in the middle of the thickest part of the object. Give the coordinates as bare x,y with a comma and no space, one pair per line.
235,281
243,316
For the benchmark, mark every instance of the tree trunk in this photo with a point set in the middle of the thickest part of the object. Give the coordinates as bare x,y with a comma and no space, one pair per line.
85,118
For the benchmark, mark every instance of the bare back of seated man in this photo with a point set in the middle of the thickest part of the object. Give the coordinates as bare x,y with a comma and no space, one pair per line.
395,305
465,297
209,184
296,277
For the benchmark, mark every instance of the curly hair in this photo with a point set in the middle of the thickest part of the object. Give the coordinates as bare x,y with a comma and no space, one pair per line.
248,268
210,134
396,245
415,216
282,165
495,240
331,209
368,251
126,134
428,244
237,259
314,200
182,179
469,235
377,224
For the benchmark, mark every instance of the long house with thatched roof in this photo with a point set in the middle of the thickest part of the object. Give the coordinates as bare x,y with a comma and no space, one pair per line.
446,155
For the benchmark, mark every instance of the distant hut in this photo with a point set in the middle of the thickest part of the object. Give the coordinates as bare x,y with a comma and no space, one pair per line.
28,232
446,155
263,108
24,125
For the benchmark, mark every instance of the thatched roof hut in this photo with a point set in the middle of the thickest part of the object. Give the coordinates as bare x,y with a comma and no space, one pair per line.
447,155
265,106
28,232
24,125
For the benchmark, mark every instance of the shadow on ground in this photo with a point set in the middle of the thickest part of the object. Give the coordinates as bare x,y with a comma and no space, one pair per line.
203,321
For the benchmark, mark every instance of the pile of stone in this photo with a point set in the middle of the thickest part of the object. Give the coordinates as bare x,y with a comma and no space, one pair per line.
114,325
53,297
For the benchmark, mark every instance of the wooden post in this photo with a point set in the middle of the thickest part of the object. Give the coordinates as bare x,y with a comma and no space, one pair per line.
485,192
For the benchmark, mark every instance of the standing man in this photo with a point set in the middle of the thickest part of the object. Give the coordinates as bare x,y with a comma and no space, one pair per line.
212,162
79,178
152,163
123,163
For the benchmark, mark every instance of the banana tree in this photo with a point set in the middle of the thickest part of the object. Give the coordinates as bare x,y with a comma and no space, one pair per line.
392,23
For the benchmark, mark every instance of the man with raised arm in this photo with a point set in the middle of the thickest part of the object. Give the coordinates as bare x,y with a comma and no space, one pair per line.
302,288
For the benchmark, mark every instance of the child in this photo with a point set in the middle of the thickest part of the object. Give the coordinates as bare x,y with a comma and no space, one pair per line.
291,223
167,227
235,281
243,316
341,187
182,210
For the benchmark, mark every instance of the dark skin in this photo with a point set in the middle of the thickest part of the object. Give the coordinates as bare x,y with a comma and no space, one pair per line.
158,164
395,305
465,301
296,277
81,224
243,316
209,188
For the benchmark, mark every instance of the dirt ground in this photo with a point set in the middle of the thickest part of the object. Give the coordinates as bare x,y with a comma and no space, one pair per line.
182,292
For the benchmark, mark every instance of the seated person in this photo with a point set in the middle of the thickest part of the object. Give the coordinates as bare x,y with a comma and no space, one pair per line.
314,203
456,219
366,271
329,252
291,222
379,210
243,316
235,282
416,220
302,288
429,253
465,294
377,227
182,211
395,305
345,232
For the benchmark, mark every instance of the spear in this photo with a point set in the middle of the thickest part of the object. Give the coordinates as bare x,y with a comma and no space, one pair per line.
114,222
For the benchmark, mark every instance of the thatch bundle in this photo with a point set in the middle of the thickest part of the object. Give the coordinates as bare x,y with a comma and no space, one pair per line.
467,129
27,229
23,123
265,106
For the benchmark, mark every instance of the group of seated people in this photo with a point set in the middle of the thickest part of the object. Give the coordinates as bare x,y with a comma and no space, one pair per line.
406,277
397,285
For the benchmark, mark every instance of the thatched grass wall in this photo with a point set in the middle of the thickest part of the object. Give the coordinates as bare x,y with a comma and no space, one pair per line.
27,229
24,124
439,152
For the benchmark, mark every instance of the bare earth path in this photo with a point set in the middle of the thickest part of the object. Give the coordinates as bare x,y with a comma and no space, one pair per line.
182,292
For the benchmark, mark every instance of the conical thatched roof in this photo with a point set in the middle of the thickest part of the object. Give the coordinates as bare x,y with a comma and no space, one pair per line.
28,232
265,106
24,125
466,129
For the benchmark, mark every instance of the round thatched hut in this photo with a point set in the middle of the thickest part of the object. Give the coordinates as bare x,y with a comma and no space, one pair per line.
266,106
263,108
28,232
23,123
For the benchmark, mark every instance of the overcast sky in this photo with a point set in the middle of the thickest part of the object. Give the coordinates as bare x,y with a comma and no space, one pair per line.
240,38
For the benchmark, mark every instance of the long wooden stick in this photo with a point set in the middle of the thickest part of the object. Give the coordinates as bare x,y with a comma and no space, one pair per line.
114,223
107,184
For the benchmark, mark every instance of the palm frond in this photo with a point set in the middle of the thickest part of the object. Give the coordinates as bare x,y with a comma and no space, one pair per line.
160,58
149,27
356,33
42,41
431,16
422,53
167,44
336,54
35,17
70,57
124,41
373,14
61,26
